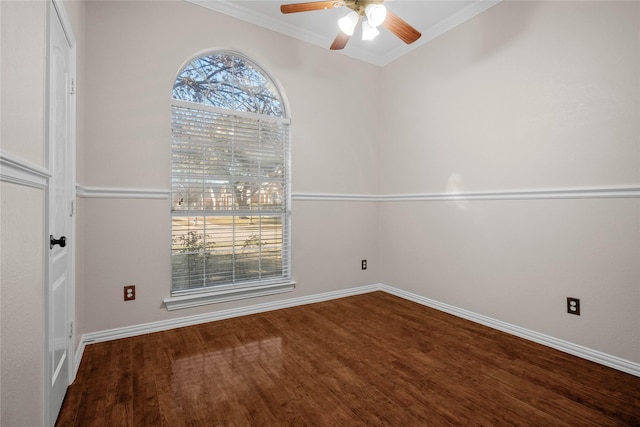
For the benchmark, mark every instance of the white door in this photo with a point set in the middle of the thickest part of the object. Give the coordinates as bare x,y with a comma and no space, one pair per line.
59,334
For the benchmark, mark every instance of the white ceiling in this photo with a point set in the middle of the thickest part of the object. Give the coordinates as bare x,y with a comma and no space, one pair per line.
431,17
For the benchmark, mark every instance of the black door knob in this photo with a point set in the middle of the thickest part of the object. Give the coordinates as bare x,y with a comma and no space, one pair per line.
61,241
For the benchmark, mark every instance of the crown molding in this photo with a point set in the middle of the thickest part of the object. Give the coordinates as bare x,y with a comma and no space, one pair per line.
439,29
237,10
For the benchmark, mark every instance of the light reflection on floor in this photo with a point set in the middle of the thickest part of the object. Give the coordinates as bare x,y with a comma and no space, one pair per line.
215,372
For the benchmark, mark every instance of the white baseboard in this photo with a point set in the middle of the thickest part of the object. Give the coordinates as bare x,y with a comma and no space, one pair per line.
558,344
77,358
549,341
163,325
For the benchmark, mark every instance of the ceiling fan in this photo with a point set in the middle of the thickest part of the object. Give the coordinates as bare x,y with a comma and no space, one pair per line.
373,12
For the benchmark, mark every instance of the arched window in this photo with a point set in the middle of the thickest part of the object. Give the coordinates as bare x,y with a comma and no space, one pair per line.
229,180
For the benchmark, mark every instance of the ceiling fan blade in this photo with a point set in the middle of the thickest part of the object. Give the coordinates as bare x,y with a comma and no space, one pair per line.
340,42
400,28
307,7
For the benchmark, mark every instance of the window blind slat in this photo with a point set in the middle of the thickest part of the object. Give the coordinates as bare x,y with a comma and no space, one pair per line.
229,199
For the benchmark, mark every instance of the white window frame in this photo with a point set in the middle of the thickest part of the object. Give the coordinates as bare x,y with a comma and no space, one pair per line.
254,288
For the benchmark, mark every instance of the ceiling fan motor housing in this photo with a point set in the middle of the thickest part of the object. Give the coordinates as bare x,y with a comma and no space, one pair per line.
360,5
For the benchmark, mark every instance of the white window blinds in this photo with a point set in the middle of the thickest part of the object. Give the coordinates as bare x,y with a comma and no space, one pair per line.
230,198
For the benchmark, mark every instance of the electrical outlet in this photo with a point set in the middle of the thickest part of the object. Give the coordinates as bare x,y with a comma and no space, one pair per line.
573,306
364,264
129,293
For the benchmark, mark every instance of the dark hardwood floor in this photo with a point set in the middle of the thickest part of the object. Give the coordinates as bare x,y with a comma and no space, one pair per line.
371,359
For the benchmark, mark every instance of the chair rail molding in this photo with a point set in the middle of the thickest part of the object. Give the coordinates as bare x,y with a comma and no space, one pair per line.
121,193
613,192
617,192
21,172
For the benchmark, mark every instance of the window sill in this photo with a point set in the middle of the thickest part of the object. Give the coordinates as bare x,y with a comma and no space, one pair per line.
225,295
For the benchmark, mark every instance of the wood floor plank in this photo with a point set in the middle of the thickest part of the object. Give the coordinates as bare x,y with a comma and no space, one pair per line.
372,359
557,405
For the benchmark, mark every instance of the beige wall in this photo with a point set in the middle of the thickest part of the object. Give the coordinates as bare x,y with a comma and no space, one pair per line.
23,42
526,96
21,305
22,38
133,52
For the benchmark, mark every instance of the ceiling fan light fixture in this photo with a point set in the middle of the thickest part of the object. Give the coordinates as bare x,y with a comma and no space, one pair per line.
348,23
376,14
369,32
